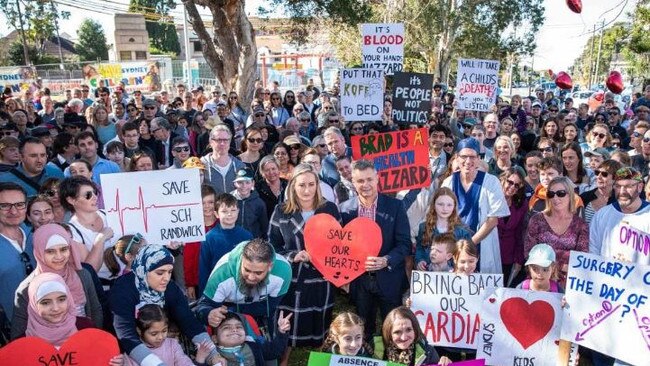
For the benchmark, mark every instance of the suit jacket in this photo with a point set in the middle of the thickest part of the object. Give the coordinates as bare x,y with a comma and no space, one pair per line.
396,241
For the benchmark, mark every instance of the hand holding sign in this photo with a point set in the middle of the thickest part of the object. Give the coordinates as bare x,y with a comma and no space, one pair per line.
340,254
86,347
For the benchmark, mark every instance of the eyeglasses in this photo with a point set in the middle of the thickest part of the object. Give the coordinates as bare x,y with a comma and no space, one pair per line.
156,129
567,120
254,140
513,184
448,144
24,257
266,93
136,239
636,134
295,147
181,149
561,193
613,113
50,193
150,107
602,172
322,145
289,96
333,121
221,141
88,195
18,205
646,139
260,114
465,157
599,135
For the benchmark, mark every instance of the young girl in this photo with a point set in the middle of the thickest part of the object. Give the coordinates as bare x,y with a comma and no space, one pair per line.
345,336
465,257
238,347
119,257
542,270
441,218
151,325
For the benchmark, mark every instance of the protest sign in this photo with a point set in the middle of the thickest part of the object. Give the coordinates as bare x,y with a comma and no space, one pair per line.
607,307
362,94
412,97
509,335
339,253
18,78
136,75
628,238
86,347
477,84
328,359
400,157
448,305
162,205
382,47
480,362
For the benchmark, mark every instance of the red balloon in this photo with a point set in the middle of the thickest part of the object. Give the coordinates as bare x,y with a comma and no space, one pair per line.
551,74
575,5
614,82
563,81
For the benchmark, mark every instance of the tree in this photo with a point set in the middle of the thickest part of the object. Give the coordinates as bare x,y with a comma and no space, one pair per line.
160,26
92,41
614,40
637,51
231,52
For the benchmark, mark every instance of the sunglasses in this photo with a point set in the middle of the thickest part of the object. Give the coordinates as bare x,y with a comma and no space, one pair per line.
513,184
599,135
6,133
88,195
554,110
181,149
602,172
275,98
636,134
448,144
50,193
233,97
150,107
613,113
260,115
322,145
295,147
254,141
136,239
24,257
561,193
289,96
305,120
646,139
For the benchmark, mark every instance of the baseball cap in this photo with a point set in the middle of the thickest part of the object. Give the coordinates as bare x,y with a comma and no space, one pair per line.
536,104
542,255
148,102
291,140
40,131
243,175
601,151
626,173
469,143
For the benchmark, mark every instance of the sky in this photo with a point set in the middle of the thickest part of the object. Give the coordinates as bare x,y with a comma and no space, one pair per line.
559,41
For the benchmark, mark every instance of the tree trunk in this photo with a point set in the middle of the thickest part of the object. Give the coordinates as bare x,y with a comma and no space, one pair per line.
231,53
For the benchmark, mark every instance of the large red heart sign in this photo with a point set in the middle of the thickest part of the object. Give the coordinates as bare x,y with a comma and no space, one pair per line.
340,253
528,323
563,81
86,347
575,5
614,82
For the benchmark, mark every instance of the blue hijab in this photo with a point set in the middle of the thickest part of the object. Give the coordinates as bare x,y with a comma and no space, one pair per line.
149,258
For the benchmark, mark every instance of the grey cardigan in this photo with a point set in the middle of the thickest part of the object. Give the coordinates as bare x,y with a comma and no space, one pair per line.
92,308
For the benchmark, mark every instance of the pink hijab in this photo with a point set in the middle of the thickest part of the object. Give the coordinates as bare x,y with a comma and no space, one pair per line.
54,333
55,234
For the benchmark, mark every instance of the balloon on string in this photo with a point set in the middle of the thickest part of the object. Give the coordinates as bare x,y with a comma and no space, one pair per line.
614,82
575,5
563,81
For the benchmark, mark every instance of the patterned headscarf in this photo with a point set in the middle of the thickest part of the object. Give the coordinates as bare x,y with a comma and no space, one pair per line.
149,258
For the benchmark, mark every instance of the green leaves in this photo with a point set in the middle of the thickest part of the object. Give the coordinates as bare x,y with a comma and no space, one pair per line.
92,41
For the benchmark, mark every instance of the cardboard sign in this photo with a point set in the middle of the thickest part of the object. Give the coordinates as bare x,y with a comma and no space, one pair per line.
477,84
362,94
400,157
136,75
480,362
382,47
18,78
608,309
448,305
412,97
162,205
509,335
86,347
328,359
338,253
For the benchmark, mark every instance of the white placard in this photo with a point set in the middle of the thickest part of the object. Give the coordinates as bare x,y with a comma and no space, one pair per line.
509,335
448,305
477,84
362,94
382,47
162,205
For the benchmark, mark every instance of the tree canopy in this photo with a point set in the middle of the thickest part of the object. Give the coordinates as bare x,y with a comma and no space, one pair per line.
160,25
92,41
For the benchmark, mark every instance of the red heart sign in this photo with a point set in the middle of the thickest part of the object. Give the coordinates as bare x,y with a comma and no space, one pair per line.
86,347
517,316
563,80
575,5
340,253
614,82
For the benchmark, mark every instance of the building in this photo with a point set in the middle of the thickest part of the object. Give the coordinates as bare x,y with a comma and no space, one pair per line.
50,45
131,37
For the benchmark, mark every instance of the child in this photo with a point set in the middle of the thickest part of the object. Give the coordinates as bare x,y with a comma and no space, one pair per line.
251,207
151,325
441,218
441,252
465,257
542,270
345,336
119,257
115,153
549,168
223,238
239,348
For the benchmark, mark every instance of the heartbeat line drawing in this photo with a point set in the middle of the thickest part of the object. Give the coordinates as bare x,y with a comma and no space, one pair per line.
140,207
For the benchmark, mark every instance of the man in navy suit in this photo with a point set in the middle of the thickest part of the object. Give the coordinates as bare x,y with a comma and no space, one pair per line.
385,279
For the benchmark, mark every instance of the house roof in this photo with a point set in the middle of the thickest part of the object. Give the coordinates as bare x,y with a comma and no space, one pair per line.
51,45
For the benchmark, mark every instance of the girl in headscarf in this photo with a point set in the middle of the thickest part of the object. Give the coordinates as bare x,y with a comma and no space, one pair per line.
150,283
56,252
